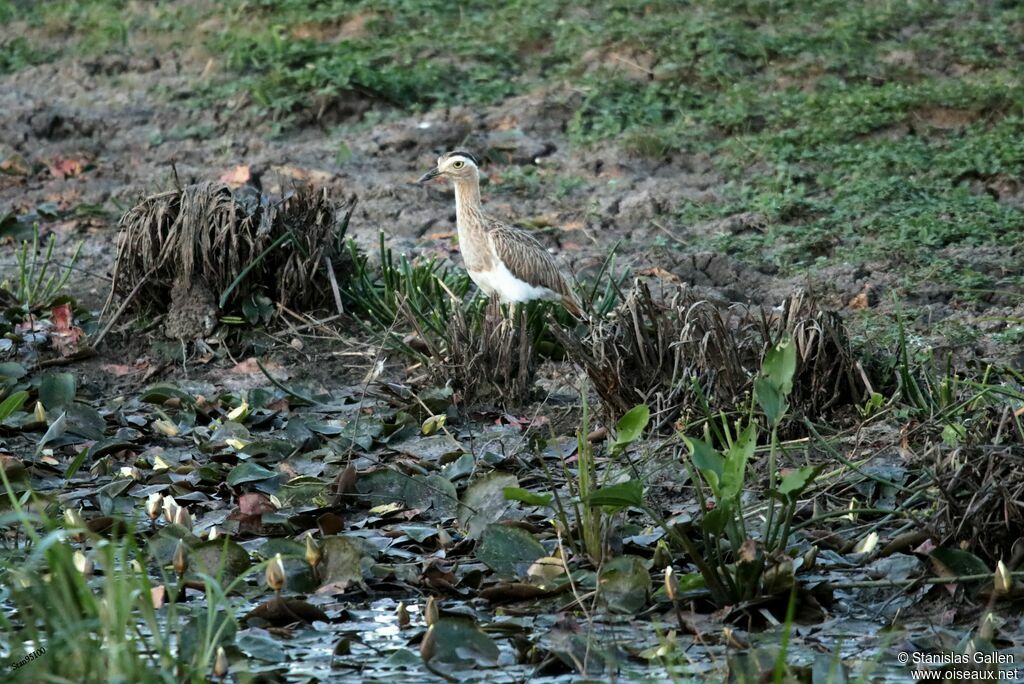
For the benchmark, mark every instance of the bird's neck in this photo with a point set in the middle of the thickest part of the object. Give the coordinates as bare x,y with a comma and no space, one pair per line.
468,210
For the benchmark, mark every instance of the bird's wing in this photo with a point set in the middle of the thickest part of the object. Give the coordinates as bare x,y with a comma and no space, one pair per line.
527,260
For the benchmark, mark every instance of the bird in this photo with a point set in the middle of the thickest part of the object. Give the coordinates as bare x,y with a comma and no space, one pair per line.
503,260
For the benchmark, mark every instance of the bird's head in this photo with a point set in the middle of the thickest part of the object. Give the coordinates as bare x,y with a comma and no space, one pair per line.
456,166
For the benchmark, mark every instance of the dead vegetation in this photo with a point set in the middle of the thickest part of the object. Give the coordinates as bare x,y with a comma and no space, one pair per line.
485,358
687,357
224,245
982,500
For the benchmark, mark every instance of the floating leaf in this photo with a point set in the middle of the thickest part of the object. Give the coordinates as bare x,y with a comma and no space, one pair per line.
624,584
432,492
11,372
383,486
957,563
162,392
459,642
207,629
57,390
484,502
248,472
509,551
342,562
223,559
419,533
280,611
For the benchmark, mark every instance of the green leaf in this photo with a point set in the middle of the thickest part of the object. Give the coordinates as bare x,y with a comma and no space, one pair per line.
736,463
527,497
57,390
484,502
12,403
779,366
715,520
631,426
432,492
954,434
509,551
342,561
224,559
771,400
957,563
624,584
161,392
458,641
622,495
794,483
11,371
248,472
708,461
383,486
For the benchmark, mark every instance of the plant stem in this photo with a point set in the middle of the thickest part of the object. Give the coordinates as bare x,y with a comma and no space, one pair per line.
769,532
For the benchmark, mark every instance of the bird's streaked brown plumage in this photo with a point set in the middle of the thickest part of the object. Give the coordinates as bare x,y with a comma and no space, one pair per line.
503,260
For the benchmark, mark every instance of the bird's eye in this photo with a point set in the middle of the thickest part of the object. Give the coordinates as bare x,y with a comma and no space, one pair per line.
458,164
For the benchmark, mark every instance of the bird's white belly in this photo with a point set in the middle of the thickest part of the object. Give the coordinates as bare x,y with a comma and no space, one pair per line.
500,281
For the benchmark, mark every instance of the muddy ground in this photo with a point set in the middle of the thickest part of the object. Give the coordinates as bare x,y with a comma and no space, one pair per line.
131,123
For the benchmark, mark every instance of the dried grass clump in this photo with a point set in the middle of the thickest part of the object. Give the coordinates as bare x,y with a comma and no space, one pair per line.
982,499
685,356
235,242
486,358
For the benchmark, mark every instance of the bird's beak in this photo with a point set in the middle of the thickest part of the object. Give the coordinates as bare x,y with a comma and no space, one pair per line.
429,175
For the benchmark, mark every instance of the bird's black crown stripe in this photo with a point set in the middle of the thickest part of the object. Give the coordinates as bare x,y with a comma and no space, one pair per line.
463,153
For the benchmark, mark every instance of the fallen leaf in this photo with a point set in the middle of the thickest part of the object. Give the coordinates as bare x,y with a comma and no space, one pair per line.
237,176
121,369
314,176
660,273
15,165
65,168
65,335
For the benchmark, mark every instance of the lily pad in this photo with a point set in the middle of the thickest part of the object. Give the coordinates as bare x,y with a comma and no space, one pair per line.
625,584
248,472
57,390
484,502
224,559
342,562
509,551
459,642
432,492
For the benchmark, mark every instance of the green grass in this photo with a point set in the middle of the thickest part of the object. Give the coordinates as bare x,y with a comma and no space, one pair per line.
820,115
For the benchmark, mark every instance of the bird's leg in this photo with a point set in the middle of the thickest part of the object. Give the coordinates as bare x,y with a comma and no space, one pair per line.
493,309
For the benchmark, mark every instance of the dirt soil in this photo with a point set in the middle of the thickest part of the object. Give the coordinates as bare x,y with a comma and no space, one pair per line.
129,124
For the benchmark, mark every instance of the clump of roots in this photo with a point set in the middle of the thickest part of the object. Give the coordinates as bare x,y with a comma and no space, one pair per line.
982,490
232,244
485,358
685,356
